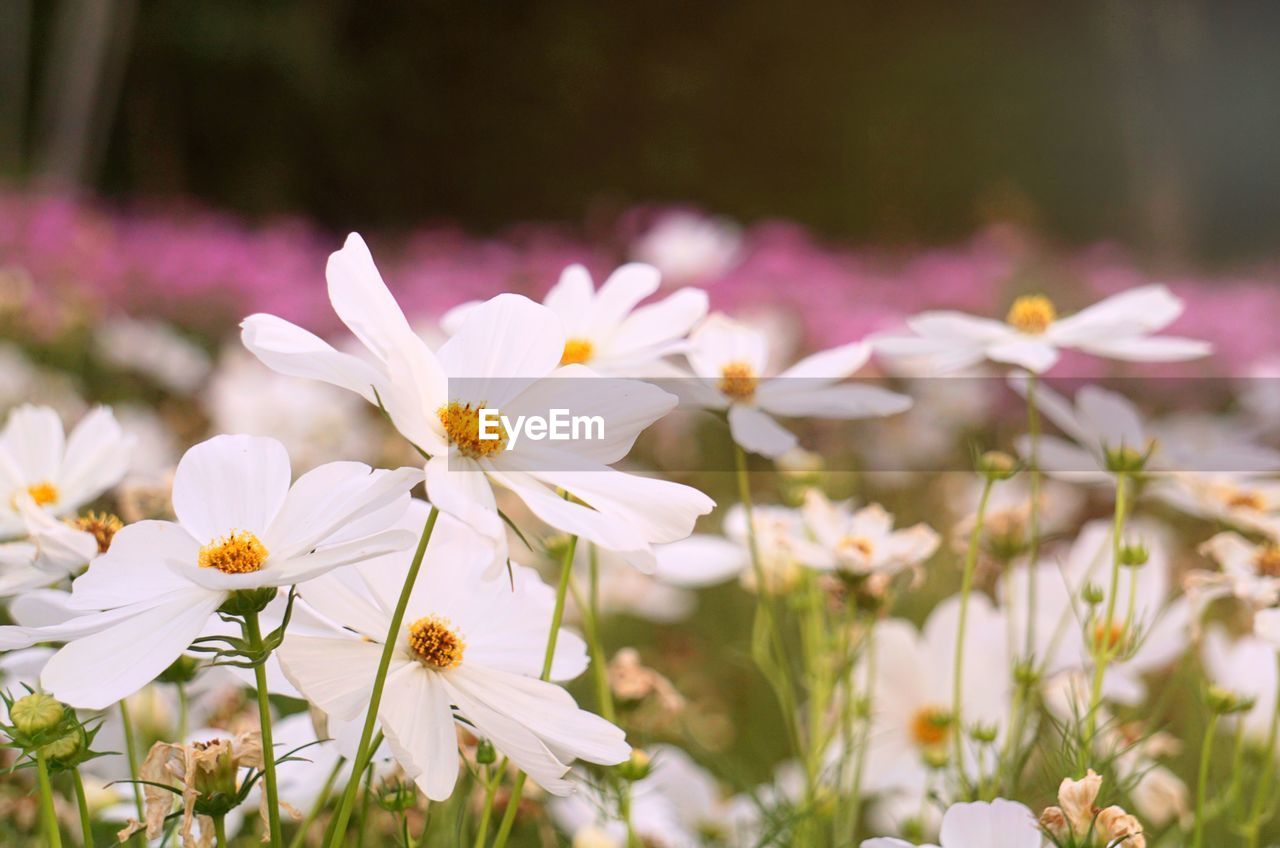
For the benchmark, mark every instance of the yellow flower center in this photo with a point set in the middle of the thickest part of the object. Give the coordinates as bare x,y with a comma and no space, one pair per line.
576,352
858,547
1247,499
930,726
738,380
43,493
461,422
1032,314
1267,561
103,526
436,643
238,552
1108,637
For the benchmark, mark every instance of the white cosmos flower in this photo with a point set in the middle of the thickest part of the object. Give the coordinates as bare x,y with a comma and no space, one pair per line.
863,541
912,695
1100,421
690,248
606,330
999,824
470,650
59,473
1250,572
240,526
674,806
51,551
1245,501
1247,667
731,361
499,359
1122,326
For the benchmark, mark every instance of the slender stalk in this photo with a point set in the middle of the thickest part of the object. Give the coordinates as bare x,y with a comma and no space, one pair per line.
82,804
364,753
966,588
633,841
1253,824
131,752
599,668
47,816
253,632
860,758
183,712
1033,517
486,815
220,831
1103,648
1202,785
562,590
300,837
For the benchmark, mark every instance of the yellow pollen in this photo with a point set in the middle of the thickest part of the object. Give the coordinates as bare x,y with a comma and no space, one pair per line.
1267,561
461,422
238,552
930,727
576,352
43,493
1032,314
103,526
1246,499
738,380
436,643
859,545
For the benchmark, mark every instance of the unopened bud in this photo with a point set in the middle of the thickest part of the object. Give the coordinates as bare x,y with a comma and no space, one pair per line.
36,713
485,752
62,748
1126,459
1134,555
1222,701
983,734
1092,594
997,465
637,767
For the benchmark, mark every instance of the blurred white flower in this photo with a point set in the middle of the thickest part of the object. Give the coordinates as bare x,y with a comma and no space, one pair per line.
1122,326
978,824
1245,667
731,361
498,359
1250,572
154,349
863,541
22,381
316,422
240,526
468,644
1244,501
689,248
607,330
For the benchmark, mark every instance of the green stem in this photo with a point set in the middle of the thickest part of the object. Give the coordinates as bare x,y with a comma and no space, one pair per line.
966,588
1033,518
183,712
131,751
220,830
562,590
599,669
253,632
1253,825
82,803
1103,648
364,753
633,841
486,815
300,837
1202,785
47,816
860,758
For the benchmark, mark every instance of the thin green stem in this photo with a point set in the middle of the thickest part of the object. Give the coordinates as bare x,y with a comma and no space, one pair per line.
562,591
220,831
1253,824
364,753
48,817
1202,785
966,588
486,815
323,798
131,752
599,668
82,804
253,632
1033,517
1106,643
183,712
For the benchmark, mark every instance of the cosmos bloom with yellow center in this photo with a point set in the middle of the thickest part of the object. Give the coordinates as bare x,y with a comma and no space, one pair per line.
930,727
103,526
239,552
44,494
1032,314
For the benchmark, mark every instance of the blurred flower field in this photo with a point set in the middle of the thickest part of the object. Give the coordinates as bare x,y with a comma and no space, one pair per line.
963,547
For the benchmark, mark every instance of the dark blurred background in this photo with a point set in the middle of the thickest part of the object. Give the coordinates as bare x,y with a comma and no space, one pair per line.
1157,123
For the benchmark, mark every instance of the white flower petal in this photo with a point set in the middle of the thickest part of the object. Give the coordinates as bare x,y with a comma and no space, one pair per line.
326,499
619,294
700,560
459,487
655,325
758,433
141,563
720,340
1000,824
33,439
503,343
1032,354
418,723
96,458
335,674
230,483
363,302
1149,349
291,350
1145,309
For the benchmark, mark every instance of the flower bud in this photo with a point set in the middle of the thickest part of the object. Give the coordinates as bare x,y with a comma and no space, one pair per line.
36,713
248,601
1134,555
1126,459
637,767
485,752
63,747
1092,594
983,734
997,465
1222,701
